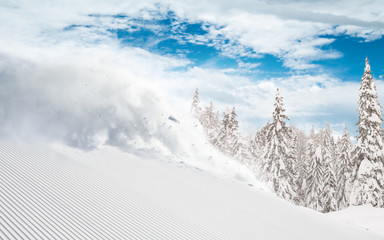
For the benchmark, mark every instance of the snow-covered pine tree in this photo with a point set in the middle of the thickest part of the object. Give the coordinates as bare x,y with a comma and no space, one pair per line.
207,115
233,135
259,141
320,180
328,198
261,135
195,109
278,157
344,169
228,139
293,164
300,142
211,122
312,133
314,177
257,146
222,141
245,156
368,186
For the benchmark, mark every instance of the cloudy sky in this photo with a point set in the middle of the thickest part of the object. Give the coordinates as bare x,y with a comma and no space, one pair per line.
235,52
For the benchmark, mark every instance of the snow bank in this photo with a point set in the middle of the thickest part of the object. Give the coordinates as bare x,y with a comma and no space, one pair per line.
366,216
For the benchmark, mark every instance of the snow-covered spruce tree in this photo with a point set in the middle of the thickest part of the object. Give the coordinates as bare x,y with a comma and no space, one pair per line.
320,181
278,157
299,143
259,141
239,146
228,138
222,140
328,196
344,169
233,135
314,171
211,122
368,186
257,144
195,109
244,155
294,165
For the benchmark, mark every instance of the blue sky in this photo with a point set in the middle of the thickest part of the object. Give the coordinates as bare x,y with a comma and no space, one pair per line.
168,35
354,50
236,53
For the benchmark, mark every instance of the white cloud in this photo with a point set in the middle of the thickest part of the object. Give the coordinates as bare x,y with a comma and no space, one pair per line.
282,27
289,30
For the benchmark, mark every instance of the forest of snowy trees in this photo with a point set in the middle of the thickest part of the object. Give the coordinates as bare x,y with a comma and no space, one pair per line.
313,171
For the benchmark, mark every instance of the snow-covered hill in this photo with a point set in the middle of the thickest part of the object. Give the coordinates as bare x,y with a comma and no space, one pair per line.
58,192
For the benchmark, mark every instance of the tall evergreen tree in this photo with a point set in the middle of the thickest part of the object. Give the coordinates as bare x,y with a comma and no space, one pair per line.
228,139
244,154
344,169
258,143
328,197
211,122
294,167
308,165
314,168
278,157
368,186
222,141
195,109
299,145
233,135
320,180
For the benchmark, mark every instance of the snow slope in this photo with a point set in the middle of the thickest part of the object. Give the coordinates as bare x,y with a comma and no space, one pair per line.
57,192
365,216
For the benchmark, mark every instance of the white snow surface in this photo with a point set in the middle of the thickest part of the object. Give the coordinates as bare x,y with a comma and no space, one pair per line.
57,192
366,216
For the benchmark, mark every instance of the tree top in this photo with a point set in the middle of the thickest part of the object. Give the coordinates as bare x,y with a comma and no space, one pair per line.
367,66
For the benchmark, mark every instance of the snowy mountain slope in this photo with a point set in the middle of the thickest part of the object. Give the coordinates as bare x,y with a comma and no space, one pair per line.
58,192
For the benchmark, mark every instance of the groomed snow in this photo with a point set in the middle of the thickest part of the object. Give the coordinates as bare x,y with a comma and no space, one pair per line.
58,192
